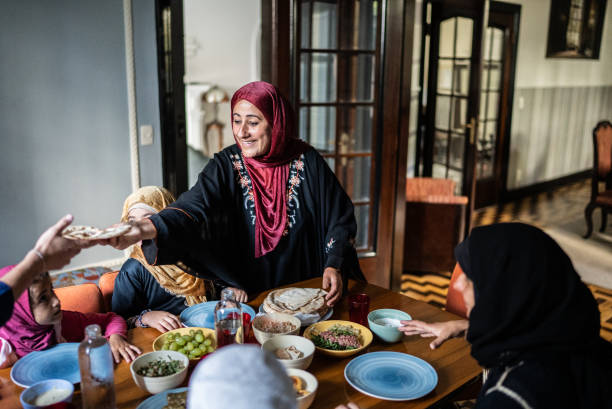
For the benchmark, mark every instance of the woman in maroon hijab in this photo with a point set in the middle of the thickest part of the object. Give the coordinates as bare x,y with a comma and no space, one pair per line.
265,212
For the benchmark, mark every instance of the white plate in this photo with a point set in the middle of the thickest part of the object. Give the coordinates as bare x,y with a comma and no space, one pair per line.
158,400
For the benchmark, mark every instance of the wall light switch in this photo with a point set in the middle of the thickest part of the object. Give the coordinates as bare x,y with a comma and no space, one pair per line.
146,135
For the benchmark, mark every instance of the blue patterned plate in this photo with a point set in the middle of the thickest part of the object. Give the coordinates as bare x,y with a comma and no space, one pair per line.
158,400
58,362
203,315
391,375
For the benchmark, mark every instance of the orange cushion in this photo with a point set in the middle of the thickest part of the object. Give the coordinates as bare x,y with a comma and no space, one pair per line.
107,285
82,298
454,299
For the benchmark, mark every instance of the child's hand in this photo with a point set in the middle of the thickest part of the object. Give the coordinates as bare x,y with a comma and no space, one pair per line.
122,349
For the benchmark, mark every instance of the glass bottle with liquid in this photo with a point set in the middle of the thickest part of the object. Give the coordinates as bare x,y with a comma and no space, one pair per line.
96,366
228,319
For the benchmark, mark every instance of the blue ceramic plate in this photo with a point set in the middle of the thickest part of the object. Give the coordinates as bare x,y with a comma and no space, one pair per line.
391,375
58,362
203,315
325,317
158,400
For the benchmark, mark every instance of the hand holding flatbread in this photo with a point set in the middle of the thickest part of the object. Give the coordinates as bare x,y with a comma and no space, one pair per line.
332,283
138,231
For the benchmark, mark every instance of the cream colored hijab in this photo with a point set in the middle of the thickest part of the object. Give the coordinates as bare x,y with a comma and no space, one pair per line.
170,277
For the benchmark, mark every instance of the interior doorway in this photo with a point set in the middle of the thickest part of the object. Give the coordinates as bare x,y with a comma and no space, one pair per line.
467,83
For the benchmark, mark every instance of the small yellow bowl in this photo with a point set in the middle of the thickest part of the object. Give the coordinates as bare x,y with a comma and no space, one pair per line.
207,332
365,337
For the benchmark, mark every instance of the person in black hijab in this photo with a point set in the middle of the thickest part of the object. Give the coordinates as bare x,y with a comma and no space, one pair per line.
532,322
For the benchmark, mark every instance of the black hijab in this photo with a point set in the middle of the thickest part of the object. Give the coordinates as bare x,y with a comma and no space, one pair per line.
529,300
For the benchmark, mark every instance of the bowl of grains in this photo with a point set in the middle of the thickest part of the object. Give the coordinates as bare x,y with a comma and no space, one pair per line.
266,326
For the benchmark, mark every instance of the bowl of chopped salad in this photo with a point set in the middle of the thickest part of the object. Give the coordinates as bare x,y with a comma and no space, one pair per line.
158,371
339,338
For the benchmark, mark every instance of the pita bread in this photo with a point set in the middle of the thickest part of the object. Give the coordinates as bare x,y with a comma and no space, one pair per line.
296,301
93,233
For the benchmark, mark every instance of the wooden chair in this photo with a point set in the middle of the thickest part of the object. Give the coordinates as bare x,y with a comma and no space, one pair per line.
454,299
107,285
602,172
83,298
435,224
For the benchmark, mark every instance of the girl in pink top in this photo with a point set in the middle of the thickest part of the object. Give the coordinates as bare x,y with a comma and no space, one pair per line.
38,323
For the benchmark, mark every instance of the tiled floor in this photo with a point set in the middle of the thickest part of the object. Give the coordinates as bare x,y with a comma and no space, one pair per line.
543,210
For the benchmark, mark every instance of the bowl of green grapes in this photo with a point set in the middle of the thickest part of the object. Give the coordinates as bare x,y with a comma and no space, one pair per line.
193,342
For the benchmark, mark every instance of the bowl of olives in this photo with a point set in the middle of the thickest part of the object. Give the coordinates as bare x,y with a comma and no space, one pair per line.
195,343
158,371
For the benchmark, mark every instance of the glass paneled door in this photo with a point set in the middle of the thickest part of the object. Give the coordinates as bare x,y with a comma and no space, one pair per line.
338,57
451,91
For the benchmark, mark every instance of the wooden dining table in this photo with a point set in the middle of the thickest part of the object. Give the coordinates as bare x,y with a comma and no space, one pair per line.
452,361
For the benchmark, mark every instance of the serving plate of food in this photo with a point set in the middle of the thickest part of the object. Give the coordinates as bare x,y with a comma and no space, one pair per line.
170,399
94,233
306,304
339,338
193,342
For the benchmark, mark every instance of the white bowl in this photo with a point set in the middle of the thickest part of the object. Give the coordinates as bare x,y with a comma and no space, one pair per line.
263,336
311,386
158,384
301,343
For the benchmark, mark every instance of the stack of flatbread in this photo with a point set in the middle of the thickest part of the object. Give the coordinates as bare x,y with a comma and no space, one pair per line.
301,302
93,233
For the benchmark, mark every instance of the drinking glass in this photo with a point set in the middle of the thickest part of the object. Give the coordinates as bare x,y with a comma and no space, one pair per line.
359,307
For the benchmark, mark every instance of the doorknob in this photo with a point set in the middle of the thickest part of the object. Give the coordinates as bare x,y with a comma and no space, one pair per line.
472,127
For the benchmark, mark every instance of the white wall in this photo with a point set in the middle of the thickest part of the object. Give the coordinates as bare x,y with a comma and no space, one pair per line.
222,47
533,69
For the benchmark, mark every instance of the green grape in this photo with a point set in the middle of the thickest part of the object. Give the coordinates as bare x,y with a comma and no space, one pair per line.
170,337
209,349
173,346
166,346
180,341
189,346
192,332
199,338
182,351
199,332
187,338
196,351
207,342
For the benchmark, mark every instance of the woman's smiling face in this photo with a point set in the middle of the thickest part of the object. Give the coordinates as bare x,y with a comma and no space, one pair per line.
251,129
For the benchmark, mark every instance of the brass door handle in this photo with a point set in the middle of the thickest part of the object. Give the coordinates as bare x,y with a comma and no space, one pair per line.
472,127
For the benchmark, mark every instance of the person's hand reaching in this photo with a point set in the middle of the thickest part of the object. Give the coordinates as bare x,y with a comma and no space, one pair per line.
332,283
120,348
239,295
57,251
141,230
161,320
441,330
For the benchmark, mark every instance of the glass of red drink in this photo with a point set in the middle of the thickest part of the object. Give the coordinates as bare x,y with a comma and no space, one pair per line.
359,307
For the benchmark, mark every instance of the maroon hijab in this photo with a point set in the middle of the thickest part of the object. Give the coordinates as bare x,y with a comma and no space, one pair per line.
269,173
22,330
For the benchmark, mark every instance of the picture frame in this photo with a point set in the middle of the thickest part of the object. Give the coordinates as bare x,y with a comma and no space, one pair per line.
575,28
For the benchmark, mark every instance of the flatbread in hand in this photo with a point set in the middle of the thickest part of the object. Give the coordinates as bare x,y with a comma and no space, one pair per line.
296,301
93,233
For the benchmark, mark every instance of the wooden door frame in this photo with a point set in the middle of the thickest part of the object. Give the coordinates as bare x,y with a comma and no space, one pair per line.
510,71
392,123
172,106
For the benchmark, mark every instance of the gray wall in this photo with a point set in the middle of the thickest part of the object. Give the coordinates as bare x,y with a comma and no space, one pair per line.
63,117
552,131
